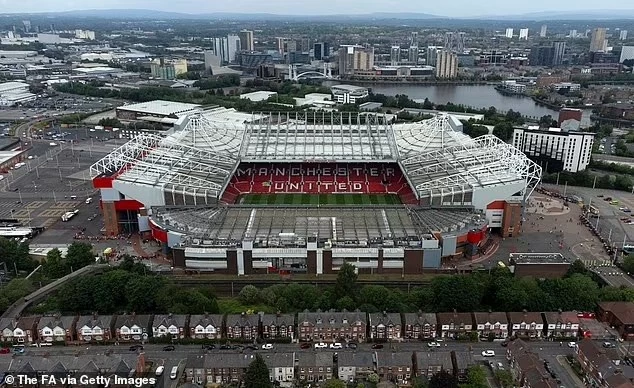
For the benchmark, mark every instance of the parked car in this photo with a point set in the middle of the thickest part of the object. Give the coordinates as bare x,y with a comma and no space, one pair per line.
5,350
267,346
572,344
352,345
169,348
249,348
488,353
433,345
304,345
609,345
377,346
225,347
209,347
321,345
336,345
134,348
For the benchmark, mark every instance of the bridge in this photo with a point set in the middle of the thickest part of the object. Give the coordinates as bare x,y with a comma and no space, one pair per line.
295,76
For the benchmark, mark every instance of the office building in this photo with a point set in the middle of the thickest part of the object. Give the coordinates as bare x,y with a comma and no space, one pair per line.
446,65
247,42
509,33
320,51
348,94
412,54
27,25
627,52
524,33
554,149
542,56
623,35
559,49
226,48
454,42
353,58
395,55
573,34
598,42
542,32
85,34
212,61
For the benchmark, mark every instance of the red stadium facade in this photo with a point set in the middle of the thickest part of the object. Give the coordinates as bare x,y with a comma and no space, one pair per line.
319,178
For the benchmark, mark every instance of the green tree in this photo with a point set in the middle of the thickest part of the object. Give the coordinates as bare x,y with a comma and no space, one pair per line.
577,267
16,289
346,284
373,378
249,294
333,383
79,255
257,374
420,382
462,293
55,266
476,378
16,255
503,130
628,264
443,379
504,378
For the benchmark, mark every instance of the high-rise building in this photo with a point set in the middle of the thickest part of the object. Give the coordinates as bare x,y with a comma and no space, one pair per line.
446,64
559,49
554,149
573,34
27,25
412,54
413,41
454,42
160,68
395,55
623,35
524,33
247,42
542,32
212,60
541,56
431,55
279,44
233,46
353,58
320,50
509,33
598,41
627,52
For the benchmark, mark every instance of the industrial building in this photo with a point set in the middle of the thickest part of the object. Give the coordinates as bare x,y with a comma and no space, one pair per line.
555,149
156,109
187,191
12,93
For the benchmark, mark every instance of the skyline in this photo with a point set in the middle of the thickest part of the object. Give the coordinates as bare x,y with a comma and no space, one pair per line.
457,8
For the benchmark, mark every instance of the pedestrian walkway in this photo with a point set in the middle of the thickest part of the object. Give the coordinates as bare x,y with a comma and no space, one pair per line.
564,364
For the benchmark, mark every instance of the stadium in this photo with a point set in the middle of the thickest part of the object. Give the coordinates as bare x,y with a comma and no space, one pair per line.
238,193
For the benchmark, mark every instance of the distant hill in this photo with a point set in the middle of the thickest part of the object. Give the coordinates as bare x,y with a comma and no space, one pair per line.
391,16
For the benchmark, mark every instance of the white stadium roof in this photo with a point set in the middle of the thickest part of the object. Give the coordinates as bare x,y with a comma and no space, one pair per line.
440,163
160,107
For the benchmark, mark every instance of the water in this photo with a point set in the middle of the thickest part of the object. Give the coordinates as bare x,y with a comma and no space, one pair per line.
476,96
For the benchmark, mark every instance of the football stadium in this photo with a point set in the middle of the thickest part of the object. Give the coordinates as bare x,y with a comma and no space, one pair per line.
238,193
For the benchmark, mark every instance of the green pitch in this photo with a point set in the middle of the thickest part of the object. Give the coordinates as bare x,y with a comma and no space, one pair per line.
320,199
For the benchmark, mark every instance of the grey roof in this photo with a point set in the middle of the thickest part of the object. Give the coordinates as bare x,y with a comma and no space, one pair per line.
63,322
357,359
205,320
455,318
228,360
7,323
279,360
314,359
332,318
425,359
85,363
168,320
27,323
386,319
420,318
242,320
195,361
102,321
463,359
388,359
129,320
277,319
490,317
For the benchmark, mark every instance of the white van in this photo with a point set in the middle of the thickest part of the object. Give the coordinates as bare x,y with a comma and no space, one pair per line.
174,373
159,370
88,200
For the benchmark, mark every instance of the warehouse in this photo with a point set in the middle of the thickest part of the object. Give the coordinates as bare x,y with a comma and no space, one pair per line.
156,109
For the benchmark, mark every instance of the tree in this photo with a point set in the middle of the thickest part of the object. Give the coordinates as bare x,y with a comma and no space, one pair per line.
443,379
346,284
503,130
334,384
249,294
373,378
257,375
504,378
577,267
79,255
55,266
628,264
476,378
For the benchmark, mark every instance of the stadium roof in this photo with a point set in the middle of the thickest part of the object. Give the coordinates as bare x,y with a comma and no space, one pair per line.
160,107
202,154
225,224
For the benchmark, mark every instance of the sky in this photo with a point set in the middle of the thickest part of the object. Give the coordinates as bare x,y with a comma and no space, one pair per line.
453,8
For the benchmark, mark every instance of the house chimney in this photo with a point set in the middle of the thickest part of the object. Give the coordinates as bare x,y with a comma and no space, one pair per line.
279,313
384,314
94,315
420,313
243,314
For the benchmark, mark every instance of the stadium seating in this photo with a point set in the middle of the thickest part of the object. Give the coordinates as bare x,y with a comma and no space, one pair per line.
314,178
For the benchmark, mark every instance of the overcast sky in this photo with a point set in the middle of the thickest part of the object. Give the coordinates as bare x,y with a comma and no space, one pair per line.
456,8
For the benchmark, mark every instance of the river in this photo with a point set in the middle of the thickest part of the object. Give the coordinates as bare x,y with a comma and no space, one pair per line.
476,96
